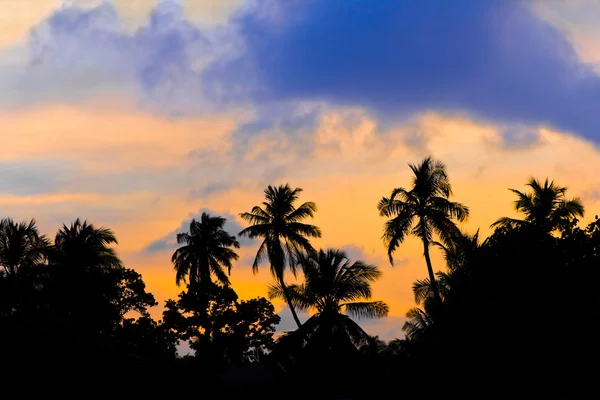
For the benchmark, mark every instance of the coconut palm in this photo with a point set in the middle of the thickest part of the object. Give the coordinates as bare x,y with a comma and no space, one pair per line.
21,246
82,246
458,255
335,289
426,203
546,207
277,222
82,266
206,252
418,321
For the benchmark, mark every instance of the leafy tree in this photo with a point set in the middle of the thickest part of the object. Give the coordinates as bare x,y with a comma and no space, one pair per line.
220,329
206,251
79,299
426,203
333,287
277,222
144,340
545,208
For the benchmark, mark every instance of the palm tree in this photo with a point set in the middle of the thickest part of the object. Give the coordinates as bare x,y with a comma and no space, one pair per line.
83,265
206,252
21,246
82,246
426,203
418,321
284,236
334,287
546,207
458,255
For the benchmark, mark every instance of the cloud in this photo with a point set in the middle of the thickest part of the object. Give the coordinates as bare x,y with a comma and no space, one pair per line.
387,329
494,60
578,20
209,189
287,323
30,177
497,61
360,253
81,54
518,138
169,241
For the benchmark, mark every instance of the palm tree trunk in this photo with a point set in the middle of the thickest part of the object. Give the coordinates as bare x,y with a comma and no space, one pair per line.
432,281
288,301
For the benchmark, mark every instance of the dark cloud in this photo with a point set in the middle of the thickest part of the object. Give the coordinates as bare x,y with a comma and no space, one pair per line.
169,241
494,59
520,138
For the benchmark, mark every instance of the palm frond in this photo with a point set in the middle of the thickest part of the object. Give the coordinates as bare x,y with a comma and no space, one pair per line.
305,210
358,337
396,230
506,222
254,231
418,321
261,255
367,310
422,290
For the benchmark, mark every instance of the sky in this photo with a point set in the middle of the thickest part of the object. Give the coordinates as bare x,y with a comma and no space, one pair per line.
140,114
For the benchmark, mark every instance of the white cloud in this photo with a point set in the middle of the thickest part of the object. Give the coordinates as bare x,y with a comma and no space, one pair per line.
87,54
578,20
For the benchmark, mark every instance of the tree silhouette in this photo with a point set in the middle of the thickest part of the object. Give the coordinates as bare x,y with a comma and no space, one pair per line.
220,328
546,208
284,236
22,251
206,251
21,246
333,287
418,321
82,246
458,254
426,203
88,283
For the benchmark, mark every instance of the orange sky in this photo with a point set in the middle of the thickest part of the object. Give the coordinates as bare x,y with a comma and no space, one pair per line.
351,168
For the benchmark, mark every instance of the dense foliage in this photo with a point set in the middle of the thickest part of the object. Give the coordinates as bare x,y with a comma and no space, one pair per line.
510,316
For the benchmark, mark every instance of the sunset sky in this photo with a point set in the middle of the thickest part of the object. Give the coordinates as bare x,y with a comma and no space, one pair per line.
140,114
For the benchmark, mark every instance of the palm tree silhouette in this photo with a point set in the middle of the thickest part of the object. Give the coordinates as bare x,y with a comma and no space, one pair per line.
458,254
83,261
284,236
206,252
545,208
21,246
427,203
418,321
83,246
334,286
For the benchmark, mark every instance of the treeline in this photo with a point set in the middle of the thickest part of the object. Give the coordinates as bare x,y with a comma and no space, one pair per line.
511,316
